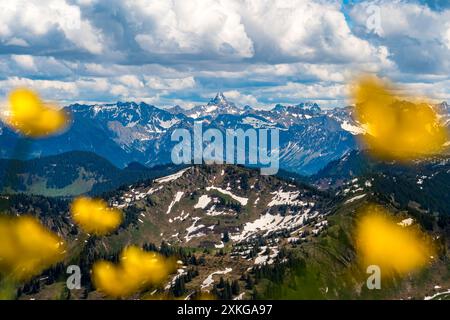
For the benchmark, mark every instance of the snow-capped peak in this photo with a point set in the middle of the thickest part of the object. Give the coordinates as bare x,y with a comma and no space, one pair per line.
219,100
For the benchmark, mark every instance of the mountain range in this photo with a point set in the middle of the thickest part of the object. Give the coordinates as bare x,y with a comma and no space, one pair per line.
128,132
137,132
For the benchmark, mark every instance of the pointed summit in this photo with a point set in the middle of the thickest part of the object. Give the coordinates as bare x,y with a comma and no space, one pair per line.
444,106
217,106
219,100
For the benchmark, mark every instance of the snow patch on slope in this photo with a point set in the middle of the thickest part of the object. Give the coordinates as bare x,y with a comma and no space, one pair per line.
355,198
172,176
286,198
268,223
243,201
192,229
354,130
203,201
406,222
209,280
177,198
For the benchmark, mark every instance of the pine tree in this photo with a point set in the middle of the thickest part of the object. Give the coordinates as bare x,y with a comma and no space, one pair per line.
221,284
226,237
227,291
179,288
255,294
193,260
235,289
85,294
249,283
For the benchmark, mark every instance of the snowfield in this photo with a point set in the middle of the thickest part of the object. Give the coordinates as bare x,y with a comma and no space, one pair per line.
243,201
168,124
263,258
354,130
209,280
406,222
268,223
192,229
172,177
286,198
220,245
180,272
177,199
355,198
258,123
183,216
203,201
133,195
436,296
240,296
153,190
212,212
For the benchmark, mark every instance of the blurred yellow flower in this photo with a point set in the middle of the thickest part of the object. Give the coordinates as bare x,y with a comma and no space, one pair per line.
94,216
382,242
137,270
29,115
397,129
27,247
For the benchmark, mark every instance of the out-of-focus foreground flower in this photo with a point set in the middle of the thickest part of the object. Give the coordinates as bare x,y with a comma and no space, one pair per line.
27,247
137,270
94,216
396,250
29,115
397,129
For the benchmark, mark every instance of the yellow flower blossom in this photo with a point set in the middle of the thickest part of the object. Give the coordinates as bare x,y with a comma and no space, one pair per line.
30,116
27,247
94,216
396,128
137,270
382,242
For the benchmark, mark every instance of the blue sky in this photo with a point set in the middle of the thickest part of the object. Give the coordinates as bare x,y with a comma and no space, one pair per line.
258,52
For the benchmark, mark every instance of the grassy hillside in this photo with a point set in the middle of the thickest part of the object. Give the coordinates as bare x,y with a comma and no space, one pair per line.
269,237
71,174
